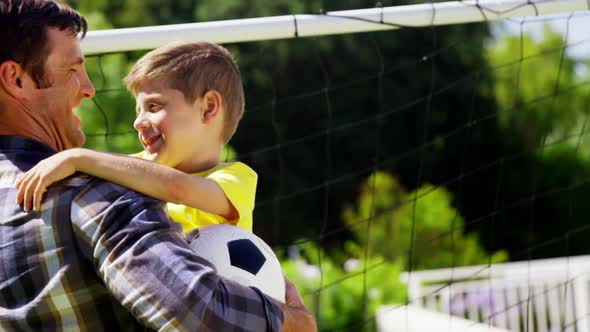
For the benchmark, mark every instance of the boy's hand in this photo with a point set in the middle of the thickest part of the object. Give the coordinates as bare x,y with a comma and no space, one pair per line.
34,183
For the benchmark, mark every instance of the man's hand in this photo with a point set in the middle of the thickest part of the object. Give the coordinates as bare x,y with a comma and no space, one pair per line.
297,317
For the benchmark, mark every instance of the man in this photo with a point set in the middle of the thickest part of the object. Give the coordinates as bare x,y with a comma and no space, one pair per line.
97,257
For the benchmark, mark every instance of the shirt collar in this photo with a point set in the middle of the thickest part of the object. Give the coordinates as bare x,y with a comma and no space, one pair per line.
20,143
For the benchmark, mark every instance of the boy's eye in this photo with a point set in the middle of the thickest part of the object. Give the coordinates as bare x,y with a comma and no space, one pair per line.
153,107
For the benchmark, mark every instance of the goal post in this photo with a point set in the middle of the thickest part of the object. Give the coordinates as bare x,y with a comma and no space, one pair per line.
337,22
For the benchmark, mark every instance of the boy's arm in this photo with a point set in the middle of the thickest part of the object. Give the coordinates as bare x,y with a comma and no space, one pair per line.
150,178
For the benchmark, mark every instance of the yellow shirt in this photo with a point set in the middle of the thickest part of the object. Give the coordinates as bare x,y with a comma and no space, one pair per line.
238,182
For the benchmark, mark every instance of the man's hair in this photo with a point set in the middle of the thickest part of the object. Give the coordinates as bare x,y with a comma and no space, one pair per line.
194,69
23,32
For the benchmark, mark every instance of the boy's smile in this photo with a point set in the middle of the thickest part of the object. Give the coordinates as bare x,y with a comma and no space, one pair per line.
149,142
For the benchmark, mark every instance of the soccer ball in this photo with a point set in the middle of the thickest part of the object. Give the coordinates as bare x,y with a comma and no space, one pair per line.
240,256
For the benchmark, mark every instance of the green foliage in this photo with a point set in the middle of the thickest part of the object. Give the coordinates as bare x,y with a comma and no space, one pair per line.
393,227
228,153
536,87
421,227
542,95
374,219
343,298
439,239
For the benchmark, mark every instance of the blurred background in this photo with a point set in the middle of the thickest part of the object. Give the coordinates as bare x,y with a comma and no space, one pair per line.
389,152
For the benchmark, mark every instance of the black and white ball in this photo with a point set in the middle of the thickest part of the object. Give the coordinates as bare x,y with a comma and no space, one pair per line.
240,256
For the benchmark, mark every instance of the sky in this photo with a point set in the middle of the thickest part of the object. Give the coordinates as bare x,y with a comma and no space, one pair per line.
578,35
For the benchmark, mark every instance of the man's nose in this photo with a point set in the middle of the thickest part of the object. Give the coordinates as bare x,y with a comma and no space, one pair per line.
87,88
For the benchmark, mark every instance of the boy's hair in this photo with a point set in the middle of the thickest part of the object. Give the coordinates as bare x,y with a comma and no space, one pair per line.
23,31
194,69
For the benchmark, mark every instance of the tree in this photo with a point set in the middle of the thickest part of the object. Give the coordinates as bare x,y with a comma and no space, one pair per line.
535,210
536,87
344,299
420,228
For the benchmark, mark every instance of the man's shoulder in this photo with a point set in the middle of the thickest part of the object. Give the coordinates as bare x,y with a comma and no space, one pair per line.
89,189
97,199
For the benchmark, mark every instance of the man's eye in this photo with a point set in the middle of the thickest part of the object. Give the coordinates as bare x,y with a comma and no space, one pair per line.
153,107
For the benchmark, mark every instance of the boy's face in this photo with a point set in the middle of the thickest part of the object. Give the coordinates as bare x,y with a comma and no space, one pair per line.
169,128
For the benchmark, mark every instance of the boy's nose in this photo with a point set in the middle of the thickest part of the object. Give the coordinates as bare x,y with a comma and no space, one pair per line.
141,123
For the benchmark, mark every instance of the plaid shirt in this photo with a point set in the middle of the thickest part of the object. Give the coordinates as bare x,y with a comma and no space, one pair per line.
99,257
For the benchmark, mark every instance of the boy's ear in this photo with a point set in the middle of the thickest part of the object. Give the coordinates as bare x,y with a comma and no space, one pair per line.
11,78
211,105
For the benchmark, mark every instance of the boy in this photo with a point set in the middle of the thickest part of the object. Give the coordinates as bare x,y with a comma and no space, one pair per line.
189,100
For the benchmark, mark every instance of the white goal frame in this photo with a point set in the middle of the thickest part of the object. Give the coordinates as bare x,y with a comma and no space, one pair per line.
337,22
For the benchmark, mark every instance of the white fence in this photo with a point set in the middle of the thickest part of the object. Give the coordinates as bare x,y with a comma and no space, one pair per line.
415,319
538,295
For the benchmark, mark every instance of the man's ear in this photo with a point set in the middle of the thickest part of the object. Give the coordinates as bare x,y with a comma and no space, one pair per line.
11,78
211,102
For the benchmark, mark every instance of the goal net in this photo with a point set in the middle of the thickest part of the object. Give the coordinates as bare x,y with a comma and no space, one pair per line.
431,156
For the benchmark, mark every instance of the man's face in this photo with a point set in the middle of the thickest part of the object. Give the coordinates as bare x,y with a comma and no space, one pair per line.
169,128
64,86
